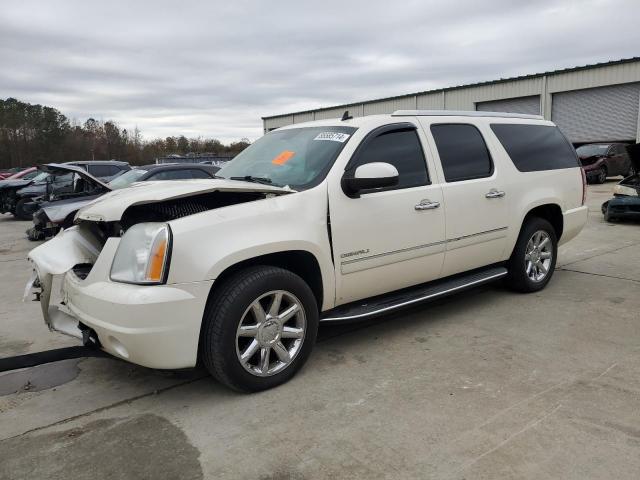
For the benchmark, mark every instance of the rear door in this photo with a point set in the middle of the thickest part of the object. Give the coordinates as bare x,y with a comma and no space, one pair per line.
475,195
386,239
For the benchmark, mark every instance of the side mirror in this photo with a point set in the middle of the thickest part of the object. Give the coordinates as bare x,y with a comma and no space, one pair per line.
369,176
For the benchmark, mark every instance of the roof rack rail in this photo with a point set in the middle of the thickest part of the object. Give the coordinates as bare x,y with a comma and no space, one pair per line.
462,113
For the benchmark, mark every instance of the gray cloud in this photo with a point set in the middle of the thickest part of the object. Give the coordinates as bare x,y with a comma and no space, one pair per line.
214,68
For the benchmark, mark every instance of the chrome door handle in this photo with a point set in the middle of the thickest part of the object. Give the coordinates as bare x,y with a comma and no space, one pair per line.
493,193
427,205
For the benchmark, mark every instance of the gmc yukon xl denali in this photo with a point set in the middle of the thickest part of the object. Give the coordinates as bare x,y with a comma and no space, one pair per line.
332,220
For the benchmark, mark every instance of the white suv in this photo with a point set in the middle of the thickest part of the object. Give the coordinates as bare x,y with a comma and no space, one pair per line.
325,221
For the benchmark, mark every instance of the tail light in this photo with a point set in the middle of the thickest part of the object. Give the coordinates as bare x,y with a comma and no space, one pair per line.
584,186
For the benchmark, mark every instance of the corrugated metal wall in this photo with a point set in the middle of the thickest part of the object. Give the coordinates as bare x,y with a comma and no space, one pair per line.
529,105
598,114
516,95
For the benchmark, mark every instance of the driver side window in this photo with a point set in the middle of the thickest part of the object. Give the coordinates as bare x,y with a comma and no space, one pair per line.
400,148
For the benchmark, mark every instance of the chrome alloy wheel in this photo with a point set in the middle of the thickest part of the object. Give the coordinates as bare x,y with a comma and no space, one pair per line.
539,255
270,333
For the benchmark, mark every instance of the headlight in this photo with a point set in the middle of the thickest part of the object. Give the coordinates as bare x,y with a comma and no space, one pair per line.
143,254
622,190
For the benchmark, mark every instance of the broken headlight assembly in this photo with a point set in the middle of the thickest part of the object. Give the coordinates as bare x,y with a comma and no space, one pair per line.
143,255
622,190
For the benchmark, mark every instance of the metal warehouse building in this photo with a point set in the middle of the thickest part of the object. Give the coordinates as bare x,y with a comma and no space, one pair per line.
599,102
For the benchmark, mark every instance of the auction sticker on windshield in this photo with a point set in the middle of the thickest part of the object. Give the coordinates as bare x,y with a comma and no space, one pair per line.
333,136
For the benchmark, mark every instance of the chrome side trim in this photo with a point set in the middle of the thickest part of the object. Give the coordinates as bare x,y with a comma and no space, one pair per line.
393,252
476,234
415,300
418,247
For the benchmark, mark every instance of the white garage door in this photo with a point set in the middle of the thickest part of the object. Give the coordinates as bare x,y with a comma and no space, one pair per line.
598,114
529,105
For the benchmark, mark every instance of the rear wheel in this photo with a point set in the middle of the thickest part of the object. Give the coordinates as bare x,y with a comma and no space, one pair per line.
21,213
533,260
632,171
259,328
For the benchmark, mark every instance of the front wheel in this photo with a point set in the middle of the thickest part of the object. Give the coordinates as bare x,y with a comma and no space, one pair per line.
533,260
259,328
21,212
602,175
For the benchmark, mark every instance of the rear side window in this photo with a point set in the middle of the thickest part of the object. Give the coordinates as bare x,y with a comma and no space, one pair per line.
103,170
400,148
463,153
535,147
199,174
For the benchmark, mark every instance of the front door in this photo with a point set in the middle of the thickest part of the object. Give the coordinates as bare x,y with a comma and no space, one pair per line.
475,197
388,239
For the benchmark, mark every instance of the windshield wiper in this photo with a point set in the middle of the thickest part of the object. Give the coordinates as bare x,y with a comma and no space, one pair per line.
249,178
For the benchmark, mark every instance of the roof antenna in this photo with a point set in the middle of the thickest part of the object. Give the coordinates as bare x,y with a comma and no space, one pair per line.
346,116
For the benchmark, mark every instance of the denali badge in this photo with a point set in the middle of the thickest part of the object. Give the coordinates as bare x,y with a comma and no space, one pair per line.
352,254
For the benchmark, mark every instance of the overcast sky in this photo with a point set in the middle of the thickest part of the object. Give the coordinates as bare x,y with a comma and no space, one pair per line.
213,68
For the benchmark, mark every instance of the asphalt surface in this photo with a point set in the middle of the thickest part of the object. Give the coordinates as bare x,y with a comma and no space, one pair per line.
488,384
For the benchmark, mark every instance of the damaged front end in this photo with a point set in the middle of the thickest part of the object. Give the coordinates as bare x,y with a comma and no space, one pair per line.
131,319
625,203
74,247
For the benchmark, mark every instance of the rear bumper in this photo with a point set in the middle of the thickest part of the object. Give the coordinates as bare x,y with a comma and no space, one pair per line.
574,221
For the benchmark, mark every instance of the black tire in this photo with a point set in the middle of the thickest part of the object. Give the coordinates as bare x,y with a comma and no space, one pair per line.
601,177
517,278
631,172
224,312
21,213
605,207
609,218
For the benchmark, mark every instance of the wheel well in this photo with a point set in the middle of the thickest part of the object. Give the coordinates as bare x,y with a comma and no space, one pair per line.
300,262
550,212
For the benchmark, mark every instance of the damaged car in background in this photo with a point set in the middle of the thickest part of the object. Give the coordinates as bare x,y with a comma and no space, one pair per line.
602,160
625,203
58,207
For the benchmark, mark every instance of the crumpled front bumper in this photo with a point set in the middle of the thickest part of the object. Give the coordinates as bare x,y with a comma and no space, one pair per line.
623,206
155,326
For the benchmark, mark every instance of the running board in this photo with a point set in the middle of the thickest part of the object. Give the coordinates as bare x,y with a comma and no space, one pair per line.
413,295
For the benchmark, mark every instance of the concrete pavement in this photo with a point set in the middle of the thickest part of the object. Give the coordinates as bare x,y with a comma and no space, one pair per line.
488,384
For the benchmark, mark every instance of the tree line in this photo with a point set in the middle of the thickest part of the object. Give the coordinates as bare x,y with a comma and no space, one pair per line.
35,134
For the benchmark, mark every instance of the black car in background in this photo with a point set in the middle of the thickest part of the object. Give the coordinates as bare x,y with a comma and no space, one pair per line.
57,208
16,194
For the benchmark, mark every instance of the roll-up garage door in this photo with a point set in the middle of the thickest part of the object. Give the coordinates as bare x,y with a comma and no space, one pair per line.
529,105
598,114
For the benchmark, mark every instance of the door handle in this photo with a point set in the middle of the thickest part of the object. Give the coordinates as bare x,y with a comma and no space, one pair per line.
494,193
427,205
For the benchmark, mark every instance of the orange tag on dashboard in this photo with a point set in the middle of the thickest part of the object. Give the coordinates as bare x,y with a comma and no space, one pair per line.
283,157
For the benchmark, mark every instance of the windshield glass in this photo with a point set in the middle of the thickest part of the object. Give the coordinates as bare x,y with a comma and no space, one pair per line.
589,150
298,157
127,178
40,177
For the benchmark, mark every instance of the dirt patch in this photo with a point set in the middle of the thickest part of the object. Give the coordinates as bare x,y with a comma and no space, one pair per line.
141,447
39,378
9,348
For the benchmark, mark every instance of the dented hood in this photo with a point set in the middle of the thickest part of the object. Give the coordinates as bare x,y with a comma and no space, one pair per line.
110,207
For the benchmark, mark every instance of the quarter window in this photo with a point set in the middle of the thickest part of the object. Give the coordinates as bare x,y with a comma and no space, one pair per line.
400,148
463,153
536,147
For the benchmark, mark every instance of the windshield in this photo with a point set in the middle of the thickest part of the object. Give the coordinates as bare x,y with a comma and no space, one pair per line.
127,178
590,150
298,157
40,177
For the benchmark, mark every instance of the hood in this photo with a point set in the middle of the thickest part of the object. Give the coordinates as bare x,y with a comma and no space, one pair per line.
60,169
61,209
589,159
15,184
110,207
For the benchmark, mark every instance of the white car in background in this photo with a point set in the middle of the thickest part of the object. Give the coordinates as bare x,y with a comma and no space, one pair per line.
333,220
